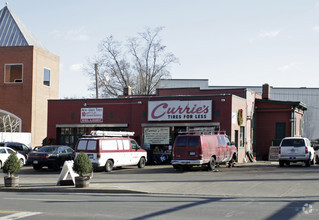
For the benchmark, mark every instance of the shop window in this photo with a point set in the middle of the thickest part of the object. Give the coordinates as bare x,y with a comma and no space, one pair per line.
46,77
13,73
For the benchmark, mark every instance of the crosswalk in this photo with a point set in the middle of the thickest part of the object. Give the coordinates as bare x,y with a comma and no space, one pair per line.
13,215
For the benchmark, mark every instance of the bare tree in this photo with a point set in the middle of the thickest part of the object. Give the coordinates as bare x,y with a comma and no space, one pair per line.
9,123
139,65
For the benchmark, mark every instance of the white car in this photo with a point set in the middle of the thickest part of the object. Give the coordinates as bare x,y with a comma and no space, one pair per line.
5,153
296,149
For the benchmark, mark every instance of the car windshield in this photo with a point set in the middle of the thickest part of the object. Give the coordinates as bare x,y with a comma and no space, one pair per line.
293,142
48,149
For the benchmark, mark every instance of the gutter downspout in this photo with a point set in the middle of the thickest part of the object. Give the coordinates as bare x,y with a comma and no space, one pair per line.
292,122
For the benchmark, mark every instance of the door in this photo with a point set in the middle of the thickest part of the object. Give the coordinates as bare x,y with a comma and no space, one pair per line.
280,133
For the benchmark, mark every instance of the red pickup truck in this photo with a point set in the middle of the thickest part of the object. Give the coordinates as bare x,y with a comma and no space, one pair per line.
202,150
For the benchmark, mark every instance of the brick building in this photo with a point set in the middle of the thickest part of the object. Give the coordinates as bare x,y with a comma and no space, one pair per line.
30,76
157,119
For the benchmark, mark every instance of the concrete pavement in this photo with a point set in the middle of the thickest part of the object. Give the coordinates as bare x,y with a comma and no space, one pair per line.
264,179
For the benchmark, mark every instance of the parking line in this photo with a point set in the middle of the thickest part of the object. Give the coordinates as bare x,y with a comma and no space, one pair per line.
17,215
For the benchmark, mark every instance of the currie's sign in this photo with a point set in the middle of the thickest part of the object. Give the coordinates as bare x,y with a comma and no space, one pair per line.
179,110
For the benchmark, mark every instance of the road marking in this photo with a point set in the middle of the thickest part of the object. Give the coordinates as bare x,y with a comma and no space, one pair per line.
18,215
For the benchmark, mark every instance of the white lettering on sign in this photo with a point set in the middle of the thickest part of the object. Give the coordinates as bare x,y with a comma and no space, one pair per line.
179,110
91,115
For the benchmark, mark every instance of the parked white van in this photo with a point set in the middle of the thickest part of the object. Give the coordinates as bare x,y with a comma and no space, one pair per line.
109,149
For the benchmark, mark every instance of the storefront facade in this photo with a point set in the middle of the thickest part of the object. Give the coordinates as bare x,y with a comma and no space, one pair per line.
156,120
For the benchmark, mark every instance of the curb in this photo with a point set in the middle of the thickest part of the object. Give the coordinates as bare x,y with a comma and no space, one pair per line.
66,190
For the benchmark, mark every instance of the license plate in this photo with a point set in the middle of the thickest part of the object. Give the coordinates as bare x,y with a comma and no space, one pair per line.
90,156
35,162
191,153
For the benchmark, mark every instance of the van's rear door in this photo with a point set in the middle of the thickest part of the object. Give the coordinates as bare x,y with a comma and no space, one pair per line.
187,147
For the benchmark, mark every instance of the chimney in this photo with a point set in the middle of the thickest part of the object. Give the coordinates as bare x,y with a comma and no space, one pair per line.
127,91
266,91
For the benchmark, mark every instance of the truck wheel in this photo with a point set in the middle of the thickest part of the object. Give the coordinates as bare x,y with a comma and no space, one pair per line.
317,160
141,163
109,166
212,164
281,163
0,164
176,167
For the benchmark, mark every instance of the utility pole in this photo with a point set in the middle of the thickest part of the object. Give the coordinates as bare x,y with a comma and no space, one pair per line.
96,81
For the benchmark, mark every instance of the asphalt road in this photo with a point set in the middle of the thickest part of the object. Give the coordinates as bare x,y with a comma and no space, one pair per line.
258,191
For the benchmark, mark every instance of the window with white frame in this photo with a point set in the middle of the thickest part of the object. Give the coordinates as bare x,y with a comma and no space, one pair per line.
13,73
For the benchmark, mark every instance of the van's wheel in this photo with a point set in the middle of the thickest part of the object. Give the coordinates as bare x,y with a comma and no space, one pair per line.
212,164
141,163
109,166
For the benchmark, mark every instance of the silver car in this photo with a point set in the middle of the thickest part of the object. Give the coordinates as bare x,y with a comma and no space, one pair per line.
296,149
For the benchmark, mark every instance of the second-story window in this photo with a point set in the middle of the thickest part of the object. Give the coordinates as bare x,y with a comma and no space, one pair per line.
13,73
46,77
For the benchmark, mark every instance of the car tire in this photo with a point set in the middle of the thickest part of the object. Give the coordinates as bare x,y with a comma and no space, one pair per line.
141,163
37,167
109,166
317,160
0,164
281,163
212,164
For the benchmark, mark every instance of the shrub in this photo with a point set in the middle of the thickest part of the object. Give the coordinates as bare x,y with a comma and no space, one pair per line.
82,164
12,165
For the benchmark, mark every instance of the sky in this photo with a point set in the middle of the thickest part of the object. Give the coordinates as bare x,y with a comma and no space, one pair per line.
228,42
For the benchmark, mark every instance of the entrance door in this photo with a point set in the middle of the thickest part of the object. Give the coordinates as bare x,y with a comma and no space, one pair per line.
280,133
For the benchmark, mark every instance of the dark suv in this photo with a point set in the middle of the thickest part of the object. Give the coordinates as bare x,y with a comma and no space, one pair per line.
19,147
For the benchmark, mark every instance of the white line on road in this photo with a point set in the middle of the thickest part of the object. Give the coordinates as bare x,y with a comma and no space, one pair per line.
19,215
